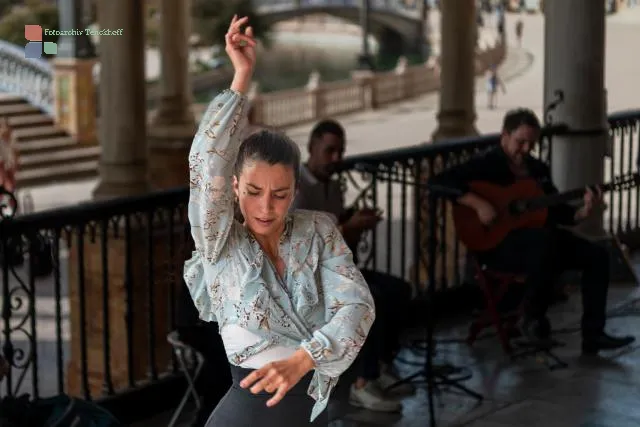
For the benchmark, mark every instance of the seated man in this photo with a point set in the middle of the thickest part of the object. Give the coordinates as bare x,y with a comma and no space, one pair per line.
317,191
540,254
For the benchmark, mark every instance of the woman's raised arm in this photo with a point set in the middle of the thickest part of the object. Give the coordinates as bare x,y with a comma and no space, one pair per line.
215,147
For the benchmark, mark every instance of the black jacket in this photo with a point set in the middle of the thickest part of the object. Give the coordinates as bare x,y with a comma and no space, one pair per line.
493,166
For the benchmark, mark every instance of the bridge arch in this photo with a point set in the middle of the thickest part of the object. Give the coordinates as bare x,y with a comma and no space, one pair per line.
396,33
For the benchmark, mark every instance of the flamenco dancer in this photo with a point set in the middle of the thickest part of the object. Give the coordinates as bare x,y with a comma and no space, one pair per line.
293,308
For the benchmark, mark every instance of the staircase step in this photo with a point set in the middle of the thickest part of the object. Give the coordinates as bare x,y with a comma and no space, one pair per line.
37,132
45,145
30,120
9,98
17,109
68,157
57,173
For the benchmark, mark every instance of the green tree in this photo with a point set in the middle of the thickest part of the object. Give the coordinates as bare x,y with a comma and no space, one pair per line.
12,24
5,6
211,19
46,14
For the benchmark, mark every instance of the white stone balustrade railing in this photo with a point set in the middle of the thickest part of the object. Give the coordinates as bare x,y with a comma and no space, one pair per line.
364,91
29,78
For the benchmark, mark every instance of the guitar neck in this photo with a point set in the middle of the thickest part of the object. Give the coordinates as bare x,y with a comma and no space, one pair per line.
560,198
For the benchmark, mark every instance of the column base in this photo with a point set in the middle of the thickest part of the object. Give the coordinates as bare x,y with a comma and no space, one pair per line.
455,124
169,148
173,111
118,180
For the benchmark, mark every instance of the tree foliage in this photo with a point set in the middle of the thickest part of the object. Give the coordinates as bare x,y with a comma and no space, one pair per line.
36,12
211,19
5,6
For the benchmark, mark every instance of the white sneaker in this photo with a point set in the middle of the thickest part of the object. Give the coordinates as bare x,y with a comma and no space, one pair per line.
388,379
371,397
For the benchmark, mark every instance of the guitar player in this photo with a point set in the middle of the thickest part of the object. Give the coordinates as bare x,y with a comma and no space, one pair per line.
538,253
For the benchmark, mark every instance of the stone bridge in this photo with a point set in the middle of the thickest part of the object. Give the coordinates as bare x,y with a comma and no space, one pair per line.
398,25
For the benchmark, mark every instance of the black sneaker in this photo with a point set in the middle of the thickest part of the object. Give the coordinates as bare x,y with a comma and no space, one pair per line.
593,344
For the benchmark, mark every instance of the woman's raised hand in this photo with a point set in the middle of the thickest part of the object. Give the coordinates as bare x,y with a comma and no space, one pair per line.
241,46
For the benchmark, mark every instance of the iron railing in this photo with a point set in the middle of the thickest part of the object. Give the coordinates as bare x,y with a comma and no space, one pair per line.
88,295
89,292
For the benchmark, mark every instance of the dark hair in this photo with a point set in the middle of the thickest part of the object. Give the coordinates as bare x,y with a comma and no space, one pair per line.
518,117
323,127
271,147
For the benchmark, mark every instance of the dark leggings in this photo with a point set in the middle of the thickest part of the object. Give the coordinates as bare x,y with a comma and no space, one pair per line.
241,408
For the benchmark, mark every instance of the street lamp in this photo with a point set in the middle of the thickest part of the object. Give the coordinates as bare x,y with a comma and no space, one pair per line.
365,61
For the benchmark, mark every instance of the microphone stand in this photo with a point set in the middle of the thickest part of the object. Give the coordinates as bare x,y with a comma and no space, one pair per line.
434,377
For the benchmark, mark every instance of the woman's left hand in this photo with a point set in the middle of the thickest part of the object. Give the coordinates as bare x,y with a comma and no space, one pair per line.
279,377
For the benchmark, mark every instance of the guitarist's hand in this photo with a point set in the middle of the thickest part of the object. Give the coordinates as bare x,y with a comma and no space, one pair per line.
590,200
486,213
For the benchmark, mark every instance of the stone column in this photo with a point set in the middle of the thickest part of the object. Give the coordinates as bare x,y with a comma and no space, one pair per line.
123,111
125,256
74,89
457,114
457,78
173,125
575,65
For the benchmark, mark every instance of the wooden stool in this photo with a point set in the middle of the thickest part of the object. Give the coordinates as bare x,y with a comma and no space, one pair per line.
494,285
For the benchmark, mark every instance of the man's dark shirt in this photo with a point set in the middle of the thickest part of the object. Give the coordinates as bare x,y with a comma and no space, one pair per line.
493,167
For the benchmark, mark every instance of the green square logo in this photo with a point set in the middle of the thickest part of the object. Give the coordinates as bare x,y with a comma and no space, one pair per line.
50,48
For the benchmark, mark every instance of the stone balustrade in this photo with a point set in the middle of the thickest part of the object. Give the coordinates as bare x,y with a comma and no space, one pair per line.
364,91
29,78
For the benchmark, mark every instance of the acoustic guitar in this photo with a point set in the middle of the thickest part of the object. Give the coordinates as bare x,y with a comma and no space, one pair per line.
520,205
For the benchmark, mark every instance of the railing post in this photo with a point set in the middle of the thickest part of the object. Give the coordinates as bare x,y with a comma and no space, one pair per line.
366,80
404,76
75,98
314,88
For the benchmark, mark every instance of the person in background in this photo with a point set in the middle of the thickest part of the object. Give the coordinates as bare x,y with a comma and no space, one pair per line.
519,31
493,83
538,253
318,191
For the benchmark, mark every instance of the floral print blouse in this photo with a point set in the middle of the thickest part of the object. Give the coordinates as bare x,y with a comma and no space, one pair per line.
322,302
